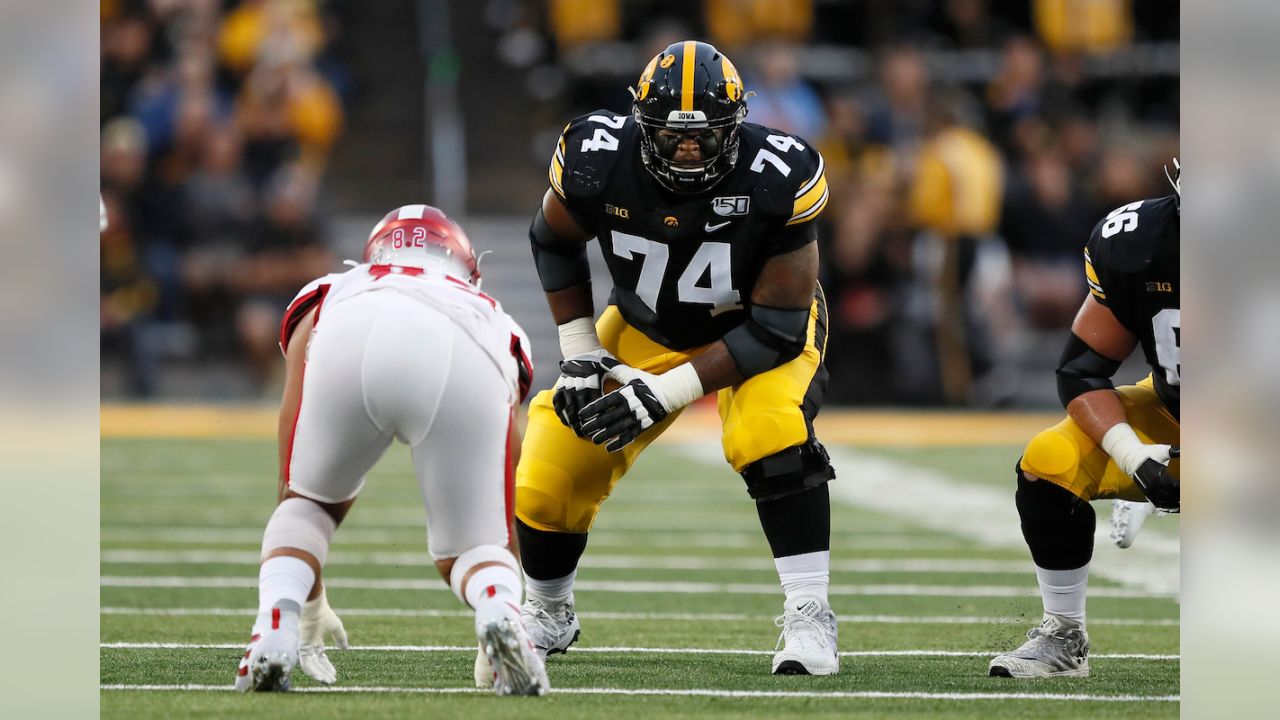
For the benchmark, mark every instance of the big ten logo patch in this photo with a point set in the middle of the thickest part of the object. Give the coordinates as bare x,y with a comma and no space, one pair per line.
616,211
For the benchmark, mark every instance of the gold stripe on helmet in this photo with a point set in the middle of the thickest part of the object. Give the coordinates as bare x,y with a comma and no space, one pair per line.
686,77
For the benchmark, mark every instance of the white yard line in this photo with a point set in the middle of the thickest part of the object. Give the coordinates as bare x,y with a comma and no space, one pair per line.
619,649
694,692
930,499
622,562
624,586
641,616
612,537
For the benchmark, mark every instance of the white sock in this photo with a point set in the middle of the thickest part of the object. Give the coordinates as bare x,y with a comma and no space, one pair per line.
551,592
1063,591
282,578
807,575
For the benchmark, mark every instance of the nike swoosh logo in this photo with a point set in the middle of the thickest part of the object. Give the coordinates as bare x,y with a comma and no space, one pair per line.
713,228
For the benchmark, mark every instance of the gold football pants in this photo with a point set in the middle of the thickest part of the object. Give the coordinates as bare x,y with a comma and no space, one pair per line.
562,479
1065,456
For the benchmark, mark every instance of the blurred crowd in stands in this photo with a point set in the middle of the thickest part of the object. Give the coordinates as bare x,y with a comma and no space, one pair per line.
217,121
971,145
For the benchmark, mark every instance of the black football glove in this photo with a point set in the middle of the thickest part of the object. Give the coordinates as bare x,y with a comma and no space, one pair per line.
581,382
619,417
1162,489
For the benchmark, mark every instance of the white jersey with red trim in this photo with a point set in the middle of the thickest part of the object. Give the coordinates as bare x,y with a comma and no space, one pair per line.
477,314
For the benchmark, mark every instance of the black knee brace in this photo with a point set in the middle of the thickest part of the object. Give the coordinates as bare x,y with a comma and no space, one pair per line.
790,472
1057,525
549,555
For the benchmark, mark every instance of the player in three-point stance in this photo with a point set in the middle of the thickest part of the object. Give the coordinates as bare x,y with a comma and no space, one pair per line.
404,347
706,224
1115,442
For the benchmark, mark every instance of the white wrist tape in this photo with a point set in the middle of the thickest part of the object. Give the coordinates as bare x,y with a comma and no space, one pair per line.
678,387
578,337
1127,449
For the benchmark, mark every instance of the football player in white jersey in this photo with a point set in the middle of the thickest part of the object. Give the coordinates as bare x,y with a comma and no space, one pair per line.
403,346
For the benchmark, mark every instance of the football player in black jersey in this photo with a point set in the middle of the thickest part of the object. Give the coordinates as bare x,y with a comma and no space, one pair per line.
1115,442
706,224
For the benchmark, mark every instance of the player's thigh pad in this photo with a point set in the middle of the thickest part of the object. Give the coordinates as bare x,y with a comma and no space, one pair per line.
773,411
562,479
460,451
334,441
1066,456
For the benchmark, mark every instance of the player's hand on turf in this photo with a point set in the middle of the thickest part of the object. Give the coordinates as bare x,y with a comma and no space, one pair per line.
619,417
581,382
1152,476
317,622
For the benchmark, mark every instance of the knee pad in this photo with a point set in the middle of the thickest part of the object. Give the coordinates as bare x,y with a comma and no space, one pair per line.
302,524
1057,525
794,470
502,573
1051,455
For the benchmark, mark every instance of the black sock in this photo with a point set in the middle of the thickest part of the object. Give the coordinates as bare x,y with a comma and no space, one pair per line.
549,555
797,524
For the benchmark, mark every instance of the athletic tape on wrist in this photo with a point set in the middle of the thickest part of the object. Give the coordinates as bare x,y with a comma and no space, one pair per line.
578,337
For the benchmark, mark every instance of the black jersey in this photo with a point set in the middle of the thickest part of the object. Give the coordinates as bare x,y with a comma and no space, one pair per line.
1131,263
684,266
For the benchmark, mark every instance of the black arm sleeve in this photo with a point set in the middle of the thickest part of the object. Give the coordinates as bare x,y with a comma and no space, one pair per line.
1082,369
560,263
770,337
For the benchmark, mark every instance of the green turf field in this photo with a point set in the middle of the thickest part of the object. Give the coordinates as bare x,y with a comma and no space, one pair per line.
677,597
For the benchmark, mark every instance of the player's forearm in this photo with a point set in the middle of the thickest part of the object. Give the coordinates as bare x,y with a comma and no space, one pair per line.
1097,412
716,368
571,303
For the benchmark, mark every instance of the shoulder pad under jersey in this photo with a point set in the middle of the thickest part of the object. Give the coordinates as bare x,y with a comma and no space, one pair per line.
1127,239
792,179
588,151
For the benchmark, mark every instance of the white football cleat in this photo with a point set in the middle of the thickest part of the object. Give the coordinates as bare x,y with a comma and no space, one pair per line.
516,666
552,630
1127,519
808,639
1058,647
270,658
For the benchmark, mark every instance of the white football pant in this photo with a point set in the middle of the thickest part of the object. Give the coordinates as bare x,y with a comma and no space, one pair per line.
382,365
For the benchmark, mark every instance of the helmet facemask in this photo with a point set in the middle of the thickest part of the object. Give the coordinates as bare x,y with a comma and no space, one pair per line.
716,144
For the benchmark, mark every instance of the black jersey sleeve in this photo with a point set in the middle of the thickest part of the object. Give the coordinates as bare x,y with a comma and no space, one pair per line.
585,156
792,188
1120,248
